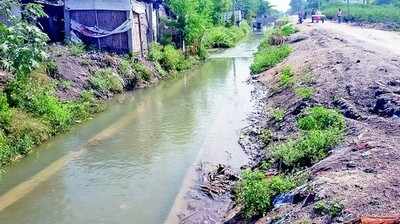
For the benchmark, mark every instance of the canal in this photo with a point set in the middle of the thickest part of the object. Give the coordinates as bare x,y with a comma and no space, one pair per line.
128,164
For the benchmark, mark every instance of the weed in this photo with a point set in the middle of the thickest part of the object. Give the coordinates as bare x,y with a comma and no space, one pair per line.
225,37
5,112
173,59
306,93
105,80
286,77
321,118
331,208
156,52
142,72
278,114
266,136
268,57
256,192
76,49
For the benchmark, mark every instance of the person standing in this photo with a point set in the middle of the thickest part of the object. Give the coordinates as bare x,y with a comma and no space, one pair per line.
339,15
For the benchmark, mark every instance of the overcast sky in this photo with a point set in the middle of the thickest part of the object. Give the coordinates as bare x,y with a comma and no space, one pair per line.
281,5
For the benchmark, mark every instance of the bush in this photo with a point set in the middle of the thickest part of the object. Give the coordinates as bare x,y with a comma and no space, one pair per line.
225,37
286,77
5,113
5,149
156,52
323,128
309,149
288,30
269,57
24,125
173,59
142,72
305,93
256,192
321,118
105,80
39,98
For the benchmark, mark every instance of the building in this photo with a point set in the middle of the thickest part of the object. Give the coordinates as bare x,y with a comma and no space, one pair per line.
121,26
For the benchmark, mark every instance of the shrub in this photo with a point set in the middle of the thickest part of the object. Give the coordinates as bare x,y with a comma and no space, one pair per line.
266,136
269,57
83,108
156,52
173,59
256,192
288,30
321,118
305,93
105,80
323,128
142,72
24,125
225,37
286,77
309,149
333,208
39,98
5,149
5,113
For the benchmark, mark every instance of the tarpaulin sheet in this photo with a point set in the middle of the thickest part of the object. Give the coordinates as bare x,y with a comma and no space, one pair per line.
96,32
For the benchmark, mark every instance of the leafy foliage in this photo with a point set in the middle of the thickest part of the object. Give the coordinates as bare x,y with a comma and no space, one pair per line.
269,57
278,114
5,112
225,37
286,77
105,80
169,58
322,129
305,93
256,192
331,208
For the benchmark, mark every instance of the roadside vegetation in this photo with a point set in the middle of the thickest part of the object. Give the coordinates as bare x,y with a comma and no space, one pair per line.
273,49
366,13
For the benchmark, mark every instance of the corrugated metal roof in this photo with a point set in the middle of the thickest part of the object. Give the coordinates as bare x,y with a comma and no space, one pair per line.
124,5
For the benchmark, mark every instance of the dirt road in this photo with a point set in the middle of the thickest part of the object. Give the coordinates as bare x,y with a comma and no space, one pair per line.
368,38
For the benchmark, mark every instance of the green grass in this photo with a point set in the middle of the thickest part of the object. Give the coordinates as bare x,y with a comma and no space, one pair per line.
322,129
305,93
330,208
256,191
366,13
142,72
168,59
105,80
286,77
76,49
278,114
269,56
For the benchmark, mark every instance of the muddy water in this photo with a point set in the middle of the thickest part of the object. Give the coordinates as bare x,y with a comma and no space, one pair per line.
128,164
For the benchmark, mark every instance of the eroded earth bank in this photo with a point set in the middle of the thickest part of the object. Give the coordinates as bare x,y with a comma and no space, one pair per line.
353,70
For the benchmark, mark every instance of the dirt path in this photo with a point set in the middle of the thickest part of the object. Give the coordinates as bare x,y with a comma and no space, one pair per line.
368,38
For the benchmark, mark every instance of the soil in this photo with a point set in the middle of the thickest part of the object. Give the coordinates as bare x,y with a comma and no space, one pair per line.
77,70
356,71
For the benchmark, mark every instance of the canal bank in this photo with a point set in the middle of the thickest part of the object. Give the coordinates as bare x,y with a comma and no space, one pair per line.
127,164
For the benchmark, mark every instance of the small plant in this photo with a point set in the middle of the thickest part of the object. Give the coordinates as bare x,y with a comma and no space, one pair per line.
278,114
5,112
288,30
266,136
142,72
256,192
306,93
286,77
76,49
268,57
330,208
105,80
156,52
321,118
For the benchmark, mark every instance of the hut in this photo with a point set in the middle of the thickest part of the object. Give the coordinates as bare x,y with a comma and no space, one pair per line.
121,26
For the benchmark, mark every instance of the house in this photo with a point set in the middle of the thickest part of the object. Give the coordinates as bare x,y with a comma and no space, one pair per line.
238,16
121,26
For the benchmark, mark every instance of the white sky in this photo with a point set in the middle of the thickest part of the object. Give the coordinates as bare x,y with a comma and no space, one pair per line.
282,5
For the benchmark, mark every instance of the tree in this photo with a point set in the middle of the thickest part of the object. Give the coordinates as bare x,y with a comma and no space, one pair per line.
297,5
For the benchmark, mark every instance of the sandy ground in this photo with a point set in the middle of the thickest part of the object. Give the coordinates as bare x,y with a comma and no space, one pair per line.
357,71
